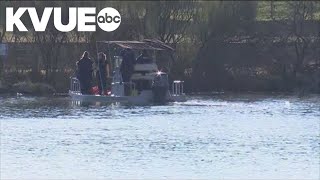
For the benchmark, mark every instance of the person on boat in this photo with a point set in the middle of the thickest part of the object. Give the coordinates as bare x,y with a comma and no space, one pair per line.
144,58
127,68
102,72
127,64
84,73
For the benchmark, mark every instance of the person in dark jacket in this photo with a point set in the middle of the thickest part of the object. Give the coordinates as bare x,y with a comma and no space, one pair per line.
103,72
127,64
127,68
84,68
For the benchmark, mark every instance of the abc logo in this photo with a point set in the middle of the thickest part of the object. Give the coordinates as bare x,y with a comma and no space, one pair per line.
109,19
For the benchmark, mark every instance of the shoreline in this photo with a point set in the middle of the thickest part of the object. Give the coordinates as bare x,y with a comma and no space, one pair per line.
27,88
193,94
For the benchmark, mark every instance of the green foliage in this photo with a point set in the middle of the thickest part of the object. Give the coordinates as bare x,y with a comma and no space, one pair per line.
282,10
195,28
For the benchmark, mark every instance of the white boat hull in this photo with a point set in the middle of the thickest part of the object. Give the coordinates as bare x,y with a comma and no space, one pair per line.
145,97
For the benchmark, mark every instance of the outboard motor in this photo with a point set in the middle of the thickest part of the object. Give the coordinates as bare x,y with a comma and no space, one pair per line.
160,87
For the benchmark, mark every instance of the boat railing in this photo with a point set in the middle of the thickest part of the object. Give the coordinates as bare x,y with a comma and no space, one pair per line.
177,88
74,85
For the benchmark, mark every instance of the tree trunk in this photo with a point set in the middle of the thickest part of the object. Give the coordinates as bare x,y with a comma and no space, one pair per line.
272,9
151,23
1,68
35,68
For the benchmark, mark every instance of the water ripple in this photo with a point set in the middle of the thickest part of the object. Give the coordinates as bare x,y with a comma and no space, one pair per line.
230,137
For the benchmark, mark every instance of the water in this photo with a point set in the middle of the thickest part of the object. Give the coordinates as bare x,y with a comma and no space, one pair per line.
224,136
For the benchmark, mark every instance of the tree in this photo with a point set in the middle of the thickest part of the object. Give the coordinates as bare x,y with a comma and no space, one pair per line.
2,32
2,20
301,12
175,17
49,43
218,22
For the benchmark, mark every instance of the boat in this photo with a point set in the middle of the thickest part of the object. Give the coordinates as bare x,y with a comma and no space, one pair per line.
156,88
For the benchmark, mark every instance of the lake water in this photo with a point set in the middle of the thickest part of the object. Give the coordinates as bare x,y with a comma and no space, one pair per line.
236,136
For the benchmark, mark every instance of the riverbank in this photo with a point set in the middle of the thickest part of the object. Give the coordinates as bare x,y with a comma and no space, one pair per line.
28,88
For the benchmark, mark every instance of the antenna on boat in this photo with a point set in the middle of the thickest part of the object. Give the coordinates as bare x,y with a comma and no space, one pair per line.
109,54
101,83
154,56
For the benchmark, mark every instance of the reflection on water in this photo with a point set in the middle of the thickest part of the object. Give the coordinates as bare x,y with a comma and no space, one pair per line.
223,136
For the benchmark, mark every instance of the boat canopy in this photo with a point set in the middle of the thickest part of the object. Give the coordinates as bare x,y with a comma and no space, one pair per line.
147,44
